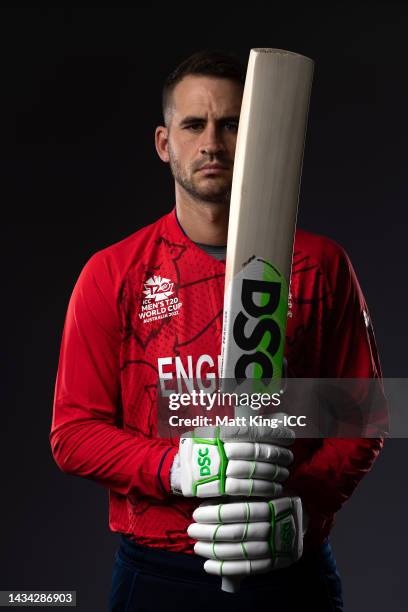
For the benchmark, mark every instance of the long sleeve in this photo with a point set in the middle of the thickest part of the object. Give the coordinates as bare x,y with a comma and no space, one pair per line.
86,437
329,476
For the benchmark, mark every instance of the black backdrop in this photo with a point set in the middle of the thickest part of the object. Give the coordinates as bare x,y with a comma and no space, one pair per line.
82,91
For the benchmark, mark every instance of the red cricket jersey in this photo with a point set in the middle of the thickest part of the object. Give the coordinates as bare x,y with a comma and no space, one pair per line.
115,347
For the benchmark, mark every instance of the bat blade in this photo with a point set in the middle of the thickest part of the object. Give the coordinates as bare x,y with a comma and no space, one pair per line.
262,221
263,210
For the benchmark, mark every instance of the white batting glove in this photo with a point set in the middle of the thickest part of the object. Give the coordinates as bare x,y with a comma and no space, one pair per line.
244,538
245,461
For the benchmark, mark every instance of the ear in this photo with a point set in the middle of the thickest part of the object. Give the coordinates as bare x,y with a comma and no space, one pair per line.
161,140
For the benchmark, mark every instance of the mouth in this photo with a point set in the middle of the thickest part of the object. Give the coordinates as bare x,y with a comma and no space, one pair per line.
213,169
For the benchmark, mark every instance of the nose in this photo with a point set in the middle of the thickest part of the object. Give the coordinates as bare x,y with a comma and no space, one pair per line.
211,141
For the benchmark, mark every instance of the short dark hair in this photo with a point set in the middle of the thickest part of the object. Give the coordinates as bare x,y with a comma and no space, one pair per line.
208,62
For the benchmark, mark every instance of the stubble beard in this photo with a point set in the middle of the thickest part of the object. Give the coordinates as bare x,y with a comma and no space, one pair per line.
212,193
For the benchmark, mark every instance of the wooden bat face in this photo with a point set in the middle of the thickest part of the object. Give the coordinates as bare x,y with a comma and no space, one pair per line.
263,210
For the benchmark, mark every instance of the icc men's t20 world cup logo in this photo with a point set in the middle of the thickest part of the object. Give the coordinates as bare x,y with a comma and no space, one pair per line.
158,303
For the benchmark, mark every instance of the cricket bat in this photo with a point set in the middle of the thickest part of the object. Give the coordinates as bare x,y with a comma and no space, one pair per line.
262,218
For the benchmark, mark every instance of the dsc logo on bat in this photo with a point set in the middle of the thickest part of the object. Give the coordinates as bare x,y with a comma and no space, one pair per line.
262,344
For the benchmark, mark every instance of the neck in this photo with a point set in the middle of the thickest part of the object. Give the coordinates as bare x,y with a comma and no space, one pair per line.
202,221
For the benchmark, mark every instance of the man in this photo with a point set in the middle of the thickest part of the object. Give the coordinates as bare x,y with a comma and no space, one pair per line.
115,347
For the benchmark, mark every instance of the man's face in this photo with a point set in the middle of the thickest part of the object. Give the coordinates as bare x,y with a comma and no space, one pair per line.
202,131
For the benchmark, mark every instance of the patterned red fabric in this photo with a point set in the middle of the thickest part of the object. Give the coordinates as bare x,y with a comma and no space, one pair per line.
112,353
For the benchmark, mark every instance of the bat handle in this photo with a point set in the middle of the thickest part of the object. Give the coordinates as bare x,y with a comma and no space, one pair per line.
231,584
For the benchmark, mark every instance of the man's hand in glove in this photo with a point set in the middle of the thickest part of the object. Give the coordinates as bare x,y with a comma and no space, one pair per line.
245,461
243,538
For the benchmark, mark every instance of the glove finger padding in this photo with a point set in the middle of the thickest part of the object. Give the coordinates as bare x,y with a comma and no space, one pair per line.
238,568
261,452
252,487
235,532
229,551
217,534
234,512
256,469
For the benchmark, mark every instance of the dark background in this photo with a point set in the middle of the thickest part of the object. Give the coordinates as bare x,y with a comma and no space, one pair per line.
82,91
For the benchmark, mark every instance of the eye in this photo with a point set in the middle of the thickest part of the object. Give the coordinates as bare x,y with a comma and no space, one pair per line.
194,127
231,126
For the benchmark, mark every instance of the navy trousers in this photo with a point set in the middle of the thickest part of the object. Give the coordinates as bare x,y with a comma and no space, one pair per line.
148,579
